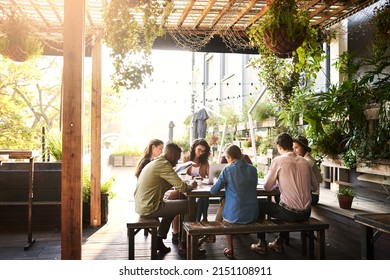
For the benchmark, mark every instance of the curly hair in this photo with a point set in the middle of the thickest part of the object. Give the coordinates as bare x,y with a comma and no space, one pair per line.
200,142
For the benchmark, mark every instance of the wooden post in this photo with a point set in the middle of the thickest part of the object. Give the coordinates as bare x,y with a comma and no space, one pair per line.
30,239
96,141
71,181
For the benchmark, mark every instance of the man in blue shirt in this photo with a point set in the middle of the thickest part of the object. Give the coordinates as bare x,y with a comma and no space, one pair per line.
239,179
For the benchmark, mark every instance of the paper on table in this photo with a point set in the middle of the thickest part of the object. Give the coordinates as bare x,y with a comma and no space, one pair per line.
183,166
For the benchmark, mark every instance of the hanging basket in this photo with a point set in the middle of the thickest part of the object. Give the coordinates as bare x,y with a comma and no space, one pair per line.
278,41
15,53
17,41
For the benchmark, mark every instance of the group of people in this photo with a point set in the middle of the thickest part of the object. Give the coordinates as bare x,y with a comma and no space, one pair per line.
293,172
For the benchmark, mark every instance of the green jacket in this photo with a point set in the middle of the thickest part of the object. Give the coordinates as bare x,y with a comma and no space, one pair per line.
155,179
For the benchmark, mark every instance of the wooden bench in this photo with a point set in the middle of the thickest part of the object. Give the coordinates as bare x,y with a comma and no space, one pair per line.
311,230
138,223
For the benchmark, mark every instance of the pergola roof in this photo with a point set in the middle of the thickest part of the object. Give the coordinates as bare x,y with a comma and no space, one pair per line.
195,19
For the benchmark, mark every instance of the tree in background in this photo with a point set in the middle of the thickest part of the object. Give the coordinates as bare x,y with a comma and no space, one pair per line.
29,100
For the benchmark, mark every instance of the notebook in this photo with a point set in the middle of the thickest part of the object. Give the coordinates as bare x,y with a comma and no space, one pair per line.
214,168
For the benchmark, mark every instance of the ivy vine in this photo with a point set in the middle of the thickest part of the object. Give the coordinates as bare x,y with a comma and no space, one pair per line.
131,28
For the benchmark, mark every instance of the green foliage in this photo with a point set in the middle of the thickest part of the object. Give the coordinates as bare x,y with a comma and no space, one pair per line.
54,144
15,134
349,159
124,149
283,76
366,83
131,39
183,143
264,110
265,144
285,13
381,20
105,186
345,191
334,119
28,101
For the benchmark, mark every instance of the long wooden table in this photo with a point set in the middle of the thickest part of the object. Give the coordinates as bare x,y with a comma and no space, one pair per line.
372,226
204,191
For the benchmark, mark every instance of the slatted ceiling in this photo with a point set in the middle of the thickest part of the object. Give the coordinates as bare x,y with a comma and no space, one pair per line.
198,16
224,9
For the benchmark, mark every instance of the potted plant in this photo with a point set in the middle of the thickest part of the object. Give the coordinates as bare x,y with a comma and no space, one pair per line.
17,42
131,27
345,197
106,194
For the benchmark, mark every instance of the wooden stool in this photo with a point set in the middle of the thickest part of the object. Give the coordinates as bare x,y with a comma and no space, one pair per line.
148,225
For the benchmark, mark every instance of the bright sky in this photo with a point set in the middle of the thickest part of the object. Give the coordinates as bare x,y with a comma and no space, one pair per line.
167,98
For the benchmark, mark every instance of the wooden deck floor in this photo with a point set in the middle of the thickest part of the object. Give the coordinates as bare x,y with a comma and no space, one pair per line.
109,242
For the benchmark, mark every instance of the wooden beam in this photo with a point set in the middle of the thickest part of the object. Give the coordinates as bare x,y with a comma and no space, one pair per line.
185,13
248,7
96,141
205,12
71,180
224,10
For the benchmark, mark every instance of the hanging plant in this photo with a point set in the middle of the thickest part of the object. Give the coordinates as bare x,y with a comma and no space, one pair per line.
17,42
286,71
131,27
283,27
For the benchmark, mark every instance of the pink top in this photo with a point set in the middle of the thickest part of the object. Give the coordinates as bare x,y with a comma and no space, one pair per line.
295,179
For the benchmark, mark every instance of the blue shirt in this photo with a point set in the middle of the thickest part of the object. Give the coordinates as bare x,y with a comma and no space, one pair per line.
239,179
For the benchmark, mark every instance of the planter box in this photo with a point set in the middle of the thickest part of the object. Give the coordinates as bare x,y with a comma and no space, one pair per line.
378,168
271,122
103,210
118,161
131,160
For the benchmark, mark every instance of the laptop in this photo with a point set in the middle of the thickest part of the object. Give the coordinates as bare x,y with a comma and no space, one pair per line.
214,168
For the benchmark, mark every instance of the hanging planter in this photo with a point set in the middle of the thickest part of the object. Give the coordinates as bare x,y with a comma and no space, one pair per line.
278,41
17,42
284,27
284,32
